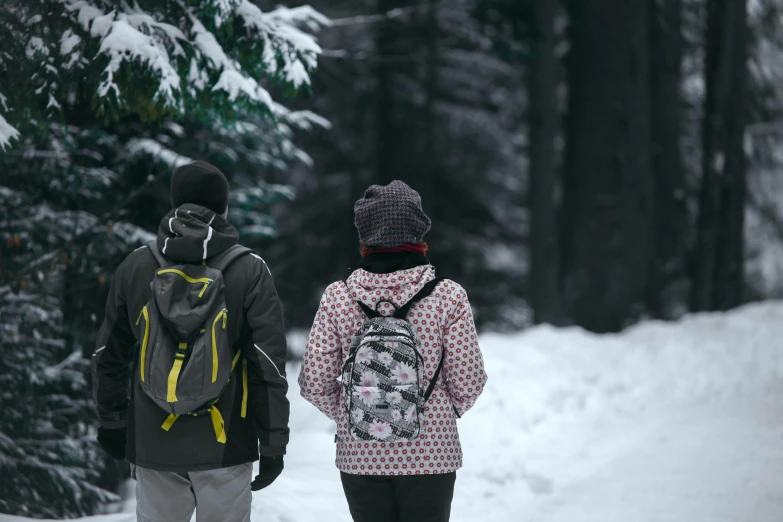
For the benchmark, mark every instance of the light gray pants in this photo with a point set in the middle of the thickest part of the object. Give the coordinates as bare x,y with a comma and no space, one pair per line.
217,495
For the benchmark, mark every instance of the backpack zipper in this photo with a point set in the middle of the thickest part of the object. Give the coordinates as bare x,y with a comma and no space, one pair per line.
146,315
383,334
224,314
189,279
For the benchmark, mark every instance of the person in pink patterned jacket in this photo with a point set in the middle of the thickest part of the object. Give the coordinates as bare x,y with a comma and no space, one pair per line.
411,480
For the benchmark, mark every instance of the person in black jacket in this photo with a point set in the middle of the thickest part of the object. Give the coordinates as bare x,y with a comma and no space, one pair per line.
176,470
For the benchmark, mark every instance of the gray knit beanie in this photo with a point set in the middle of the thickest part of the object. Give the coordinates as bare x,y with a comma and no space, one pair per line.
390,216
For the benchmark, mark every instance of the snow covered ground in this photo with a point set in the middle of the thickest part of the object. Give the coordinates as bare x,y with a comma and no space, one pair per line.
666,422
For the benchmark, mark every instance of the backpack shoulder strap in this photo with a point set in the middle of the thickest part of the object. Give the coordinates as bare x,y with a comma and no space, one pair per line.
223,260
434,380
431,387
159,258
402,312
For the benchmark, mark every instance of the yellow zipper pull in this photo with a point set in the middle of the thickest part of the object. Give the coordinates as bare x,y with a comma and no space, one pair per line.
225,318
201,294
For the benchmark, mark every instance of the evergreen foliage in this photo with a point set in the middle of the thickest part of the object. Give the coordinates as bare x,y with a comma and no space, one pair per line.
99,100
454,135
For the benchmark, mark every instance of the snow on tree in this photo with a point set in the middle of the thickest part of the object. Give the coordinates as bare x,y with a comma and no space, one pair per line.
99,101
46,442
418,93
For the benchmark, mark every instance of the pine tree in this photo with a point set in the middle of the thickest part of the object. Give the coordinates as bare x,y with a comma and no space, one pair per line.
99,99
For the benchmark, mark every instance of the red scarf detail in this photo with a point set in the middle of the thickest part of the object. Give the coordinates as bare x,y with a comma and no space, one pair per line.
418,248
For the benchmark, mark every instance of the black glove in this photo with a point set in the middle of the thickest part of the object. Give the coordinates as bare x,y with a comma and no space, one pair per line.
269,468
113,442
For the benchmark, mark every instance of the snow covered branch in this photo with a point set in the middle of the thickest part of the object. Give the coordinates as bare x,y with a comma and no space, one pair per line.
153,61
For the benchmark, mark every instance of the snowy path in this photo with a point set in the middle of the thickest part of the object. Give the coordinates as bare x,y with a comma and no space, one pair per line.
664,423
715,463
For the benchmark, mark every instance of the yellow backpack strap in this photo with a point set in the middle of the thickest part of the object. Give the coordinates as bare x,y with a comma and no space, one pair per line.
179,357
170,420
236,359
146,339
221,314
217,419
244,388
217,423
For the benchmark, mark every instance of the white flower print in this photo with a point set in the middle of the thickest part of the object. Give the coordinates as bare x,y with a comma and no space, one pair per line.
369,395
358,416
380,430
385,359
403,374
394,397
364,356
410,414
369,380
396,415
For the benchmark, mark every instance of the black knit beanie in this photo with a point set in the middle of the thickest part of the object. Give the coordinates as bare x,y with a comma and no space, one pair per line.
390,216
201,184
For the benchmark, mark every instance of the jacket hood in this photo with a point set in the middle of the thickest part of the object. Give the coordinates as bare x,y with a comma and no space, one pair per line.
192,233
398,287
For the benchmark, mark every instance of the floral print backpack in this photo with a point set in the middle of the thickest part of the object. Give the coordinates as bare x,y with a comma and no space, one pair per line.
382,376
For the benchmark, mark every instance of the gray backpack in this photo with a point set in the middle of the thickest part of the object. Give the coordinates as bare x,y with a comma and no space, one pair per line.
382,376
186,356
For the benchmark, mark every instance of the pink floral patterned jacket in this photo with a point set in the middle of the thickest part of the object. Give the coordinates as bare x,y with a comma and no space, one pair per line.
443,321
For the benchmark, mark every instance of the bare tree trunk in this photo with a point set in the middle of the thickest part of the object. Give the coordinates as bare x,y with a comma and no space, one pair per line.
544,287
730,255
718,262
384,122
670,238
608,196
429,165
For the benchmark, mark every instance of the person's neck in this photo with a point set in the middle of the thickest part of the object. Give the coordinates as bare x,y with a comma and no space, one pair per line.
388,262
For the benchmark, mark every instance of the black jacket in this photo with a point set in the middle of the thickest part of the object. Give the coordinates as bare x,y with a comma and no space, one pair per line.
190,234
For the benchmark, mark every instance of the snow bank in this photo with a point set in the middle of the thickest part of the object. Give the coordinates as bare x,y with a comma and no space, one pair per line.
562,404
547,373
574,426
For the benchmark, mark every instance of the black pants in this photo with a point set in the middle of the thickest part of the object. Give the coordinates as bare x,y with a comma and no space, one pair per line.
408,498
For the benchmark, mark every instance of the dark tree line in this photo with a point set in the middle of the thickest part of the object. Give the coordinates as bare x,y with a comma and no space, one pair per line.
415,91
554,147
626,239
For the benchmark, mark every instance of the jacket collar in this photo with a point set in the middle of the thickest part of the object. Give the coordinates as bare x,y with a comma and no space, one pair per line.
388,262
398,287
192,233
